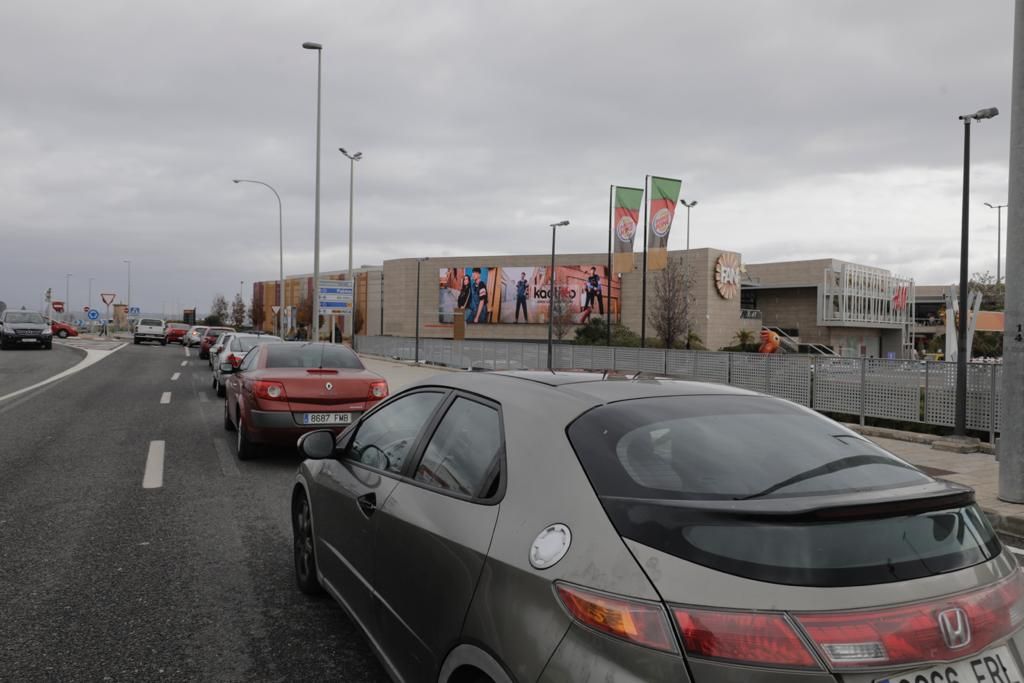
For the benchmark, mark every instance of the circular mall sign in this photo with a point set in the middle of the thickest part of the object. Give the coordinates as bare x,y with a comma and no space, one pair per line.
727,275
661,222
625,229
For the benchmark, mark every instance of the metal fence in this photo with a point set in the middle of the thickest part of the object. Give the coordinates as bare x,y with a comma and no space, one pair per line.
907,391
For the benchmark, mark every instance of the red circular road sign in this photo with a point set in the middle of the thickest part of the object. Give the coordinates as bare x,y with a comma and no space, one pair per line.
58,306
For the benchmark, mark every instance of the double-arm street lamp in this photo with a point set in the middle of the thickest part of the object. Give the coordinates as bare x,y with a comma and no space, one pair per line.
316,212
999,238
280,240
688,205
352,159
960,422
551,293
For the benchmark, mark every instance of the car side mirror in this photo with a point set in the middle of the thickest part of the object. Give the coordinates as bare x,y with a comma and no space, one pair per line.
317,445
227,368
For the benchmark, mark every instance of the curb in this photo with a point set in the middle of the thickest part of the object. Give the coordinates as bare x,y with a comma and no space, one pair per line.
912,437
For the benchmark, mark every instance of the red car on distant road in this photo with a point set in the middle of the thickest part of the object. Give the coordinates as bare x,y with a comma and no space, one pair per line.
209,337
175,332
63,330
283,390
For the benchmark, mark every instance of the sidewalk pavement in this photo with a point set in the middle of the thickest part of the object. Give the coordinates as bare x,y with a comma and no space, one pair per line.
979,470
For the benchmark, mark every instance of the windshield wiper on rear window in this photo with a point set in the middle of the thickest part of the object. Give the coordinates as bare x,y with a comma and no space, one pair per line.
829,468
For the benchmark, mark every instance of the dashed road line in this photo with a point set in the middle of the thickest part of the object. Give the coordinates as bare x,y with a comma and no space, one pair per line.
204,397
184,363
165,397
188,353
175,376
154,476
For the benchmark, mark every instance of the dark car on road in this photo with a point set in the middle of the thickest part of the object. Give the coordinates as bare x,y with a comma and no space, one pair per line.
562,527
24,328
281,391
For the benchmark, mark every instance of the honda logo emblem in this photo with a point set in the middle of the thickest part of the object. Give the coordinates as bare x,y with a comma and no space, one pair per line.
329,386
956,629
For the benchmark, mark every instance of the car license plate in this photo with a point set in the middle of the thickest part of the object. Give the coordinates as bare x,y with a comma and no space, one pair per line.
326,418
28,339
991,666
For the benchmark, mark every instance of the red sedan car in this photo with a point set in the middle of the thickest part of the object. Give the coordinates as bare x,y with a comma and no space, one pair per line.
283,390
209,337
175,332
63,330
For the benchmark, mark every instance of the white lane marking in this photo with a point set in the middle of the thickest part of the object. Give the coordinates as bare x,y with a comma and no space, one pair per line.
175,376
1015,551
184,363
154,476
188,354
165,397
204,397
92,357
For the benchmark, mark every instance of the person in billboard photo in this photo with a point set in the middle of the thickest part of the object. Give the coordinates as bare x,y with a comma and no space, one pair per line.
476,311
464,292
594,292
522,287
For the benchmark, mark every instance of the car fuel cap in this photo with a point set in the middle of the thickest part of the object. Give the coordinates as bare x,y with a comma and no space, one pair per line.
550,546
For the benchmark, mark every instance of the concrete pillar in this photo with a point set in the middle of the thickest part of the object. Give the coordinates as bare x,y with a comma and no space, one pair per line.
1011,445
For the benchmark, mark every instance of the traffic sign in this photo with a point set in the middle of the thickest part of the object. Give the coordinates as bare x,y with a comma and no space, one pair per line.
108,297
85,309
275,309
57,306
93,314
134,310
335,297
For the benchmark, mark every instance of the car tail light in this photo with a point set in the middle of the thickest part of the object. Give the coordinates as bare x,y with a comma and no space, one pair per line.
916,633
378,390
272,391
234,360
638,622
746,637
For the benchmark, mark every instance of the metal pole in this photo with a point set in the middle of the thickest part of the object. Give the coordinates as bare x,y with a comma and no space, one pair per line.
999,243
280,240
128,312
960,422
89,302
643,285
687,227
551,299
351,202
418,280
1011,440
316,211
67,294
611,219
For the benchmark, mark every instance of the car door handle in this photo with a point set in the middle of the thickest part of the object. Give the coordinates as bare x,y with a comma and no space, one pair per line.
367,503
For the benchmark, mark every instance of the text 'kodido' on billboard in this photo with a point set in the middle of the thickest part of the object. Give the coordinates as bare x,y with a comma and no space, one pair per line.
486,295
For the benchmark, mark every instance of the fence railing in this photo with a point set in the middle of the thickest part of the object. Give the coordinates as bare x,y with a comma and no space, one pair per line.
901,390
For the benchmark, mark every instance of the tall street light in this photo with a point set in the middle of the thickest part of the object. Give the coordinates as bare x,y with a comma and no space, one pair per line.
67,294
352,159
89,302
960,422
129,311
999,238
316,214
416,353
688,207
280,241
551,293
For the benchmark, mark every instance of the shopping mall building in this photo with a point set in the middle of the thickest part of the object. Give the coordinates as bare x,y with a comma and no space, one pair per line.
817,306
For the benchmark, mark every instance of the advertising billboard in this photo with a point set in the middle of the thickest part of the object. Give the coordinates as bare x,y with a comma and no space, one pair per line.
487,295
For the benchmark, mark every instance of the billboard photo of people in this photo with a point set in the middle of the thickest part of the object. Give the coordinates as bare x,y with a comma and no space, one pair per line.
518,295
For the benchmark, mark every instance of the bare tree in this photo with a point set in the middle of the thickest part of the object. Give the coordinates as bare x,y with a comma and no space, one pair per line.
218,311
672,303
238,311
562,319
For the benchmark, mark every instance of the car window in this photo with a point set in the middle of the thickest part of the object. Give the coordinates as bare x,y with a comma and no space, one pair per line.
312,355
235,344
249,361
24,317
463,454
152,323
384,438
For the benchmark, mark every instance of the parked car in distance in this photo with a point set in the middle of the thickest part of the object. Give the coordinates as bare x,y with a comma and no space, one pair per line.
62,330
233,349
24,328
280,391
194,336
175,332
582,528
150,329
216,346
209,337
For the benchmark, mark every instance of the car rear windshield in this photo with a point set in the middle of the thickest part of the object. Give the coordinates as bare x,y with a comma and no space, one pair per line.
151,323
686,475
177,326
244,343
312,356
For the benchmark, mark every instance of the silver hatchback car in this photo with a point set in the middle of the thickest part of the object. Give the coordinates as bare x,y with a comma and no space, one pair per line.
559,527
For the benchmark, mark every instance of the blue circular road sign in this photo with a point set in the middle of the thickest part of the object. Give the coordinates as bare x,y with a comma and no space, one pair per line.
94,314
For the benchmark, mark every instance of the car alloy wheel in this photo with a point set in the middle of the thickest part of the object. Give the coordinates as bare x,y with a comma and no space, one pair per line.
63,334
305,553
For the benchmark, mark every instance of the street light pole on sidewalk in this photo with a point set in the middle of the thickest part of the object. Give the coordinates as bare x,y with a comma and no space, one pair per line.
551,294
352,159
280,241
316,211
999,238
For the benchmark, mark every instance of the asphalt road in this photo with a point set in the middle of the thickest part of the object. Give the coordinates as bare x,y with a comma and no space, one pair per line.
23,367
104,580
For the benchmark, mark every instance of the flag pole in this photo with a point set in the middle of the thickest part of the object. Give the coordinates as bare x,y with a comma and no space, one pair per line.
611,211
643,290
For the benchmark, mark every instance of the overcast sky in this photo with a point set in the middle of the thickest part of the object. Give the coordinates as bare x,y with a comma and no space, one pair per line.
804,130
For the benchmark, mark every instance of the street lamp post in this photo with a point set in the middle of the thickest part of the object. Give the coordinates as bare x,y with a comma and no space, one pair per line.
89,302
416,352
128,313
999,238
551,293
352,159
688,206
960,421
316,212
67,295
280,241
